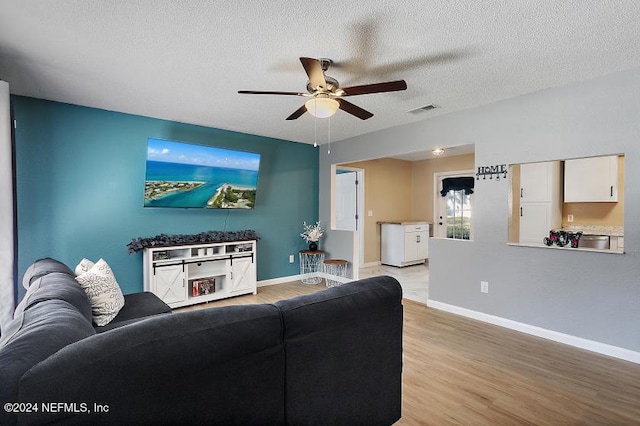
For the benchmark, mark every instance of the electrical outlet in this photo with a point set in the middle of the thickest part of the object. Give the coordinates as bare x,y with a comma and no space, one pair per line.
291,258
484,286
370,213
570,218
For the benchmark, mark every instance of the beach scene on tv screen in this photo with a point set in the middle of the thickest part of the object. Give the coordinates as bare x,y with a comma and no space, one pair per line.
186,175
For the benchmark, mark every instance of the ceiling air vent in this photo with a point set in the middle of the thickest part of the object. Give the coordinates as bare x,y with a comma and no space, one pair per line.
423,109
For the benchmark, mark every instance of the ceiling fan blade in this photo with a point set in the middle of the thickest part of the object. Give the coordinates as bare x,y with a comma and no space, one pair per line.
352,109
389,86
297,113
314,70
268,92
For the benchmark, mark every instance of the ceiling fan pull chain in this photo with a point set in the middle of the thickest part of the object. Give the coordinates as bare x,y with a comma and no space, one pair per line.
315,127
329,136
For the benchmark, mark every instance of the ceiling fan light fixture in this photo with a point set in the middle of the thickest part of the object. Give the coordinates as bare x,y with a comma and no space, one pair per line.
322,107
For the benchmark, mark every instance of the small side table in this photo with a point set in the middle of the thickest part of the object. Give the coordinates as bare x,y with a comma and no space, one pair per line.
335,267
310,263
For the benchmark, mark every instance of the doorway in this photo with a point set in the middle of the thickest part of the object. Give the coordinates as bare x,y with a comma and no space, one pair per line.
349,203
453,205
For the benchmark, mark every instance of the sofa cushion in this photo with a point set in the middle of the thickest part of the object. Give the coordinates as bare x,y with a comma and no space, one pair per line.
53,286
42,267
43,329
211,366
344,354
56,286
137,306
104,292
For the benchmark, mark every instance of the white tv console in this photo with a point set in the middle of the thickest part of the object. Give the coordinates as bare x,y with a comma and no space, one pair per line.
190,274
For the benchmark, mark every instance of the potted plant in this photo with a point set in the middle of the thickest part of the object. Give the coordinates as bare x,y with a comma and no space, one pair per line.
312,234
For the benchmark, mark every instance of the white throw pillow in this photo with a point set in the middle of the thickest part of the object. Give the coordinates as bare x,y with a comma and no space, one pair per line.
84,266
103,291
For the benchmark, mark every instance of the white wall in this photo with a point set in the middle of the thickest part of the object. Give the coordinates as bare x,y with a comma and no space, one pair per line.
593,296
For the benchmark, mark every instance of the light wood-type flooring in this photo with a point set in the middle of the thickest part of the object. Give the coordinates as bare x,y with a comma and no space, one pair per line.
458,371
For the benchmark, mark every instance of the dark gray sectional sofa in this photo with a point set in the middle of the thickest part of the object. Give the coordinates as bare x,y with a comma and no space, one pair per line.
330,358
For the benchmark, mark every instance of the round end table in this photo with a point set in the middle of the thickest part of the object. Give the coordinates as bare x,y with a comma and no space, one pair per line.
336,268
310,263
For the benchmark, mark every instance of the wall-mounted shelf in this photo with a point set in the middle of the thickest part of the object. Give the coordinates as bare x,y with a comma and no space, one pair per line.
218,271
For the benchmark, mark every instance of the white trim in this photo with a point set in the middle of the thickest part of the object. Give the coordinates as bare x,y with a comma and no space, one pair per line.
7,255
371,264
567,339
332,277
299,277
279,280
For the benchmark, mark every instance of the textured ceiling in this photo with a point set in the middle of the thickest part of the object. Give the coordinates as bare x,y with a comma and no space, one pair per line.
186,60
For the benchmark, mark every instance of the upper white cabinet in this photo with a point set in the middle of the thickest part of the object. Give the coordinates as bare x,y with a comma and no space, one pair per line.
588,180
540,201
539,181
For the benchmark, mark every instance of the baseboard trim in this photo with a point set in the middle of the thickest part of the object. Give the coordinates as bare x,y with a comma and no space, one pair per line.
299,277
567,339
371,264
279,280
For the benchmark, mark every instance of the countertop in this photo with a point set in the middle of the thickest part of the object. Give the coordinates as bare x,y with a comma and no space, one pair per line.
614,231
404,222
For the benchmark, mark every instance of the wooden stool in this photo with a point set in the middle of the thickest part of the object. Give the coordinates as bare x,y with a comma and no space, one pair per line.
334,267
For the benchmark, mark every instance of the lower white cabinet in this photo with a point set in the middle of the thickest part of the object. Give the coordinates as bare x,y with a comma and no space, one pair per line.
190,274
404,244
536,220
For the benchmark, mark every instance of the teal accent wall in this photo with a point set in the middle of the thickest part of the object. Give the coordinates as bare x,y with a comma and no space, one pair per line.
80,187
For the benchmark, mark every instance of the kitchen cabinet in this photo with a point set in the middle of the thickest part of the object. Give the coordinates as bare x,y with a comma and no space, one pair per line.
404,243
540,201
589,180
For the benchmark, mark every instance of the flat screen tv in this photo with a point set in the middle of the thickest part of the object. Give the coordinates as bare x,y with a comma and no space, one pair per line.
184,175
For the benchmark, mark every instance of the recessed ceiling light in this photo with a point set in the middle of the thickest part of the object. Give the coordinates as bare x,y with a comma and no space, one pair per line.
438,152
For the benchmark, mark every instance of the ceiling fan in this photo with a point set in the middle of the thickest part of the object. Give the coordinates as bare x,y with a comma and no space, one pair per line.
326,95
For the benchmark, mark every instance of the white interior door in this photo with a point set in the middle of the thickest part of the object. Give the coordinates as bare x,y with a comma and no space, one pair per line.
346,201
348,204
